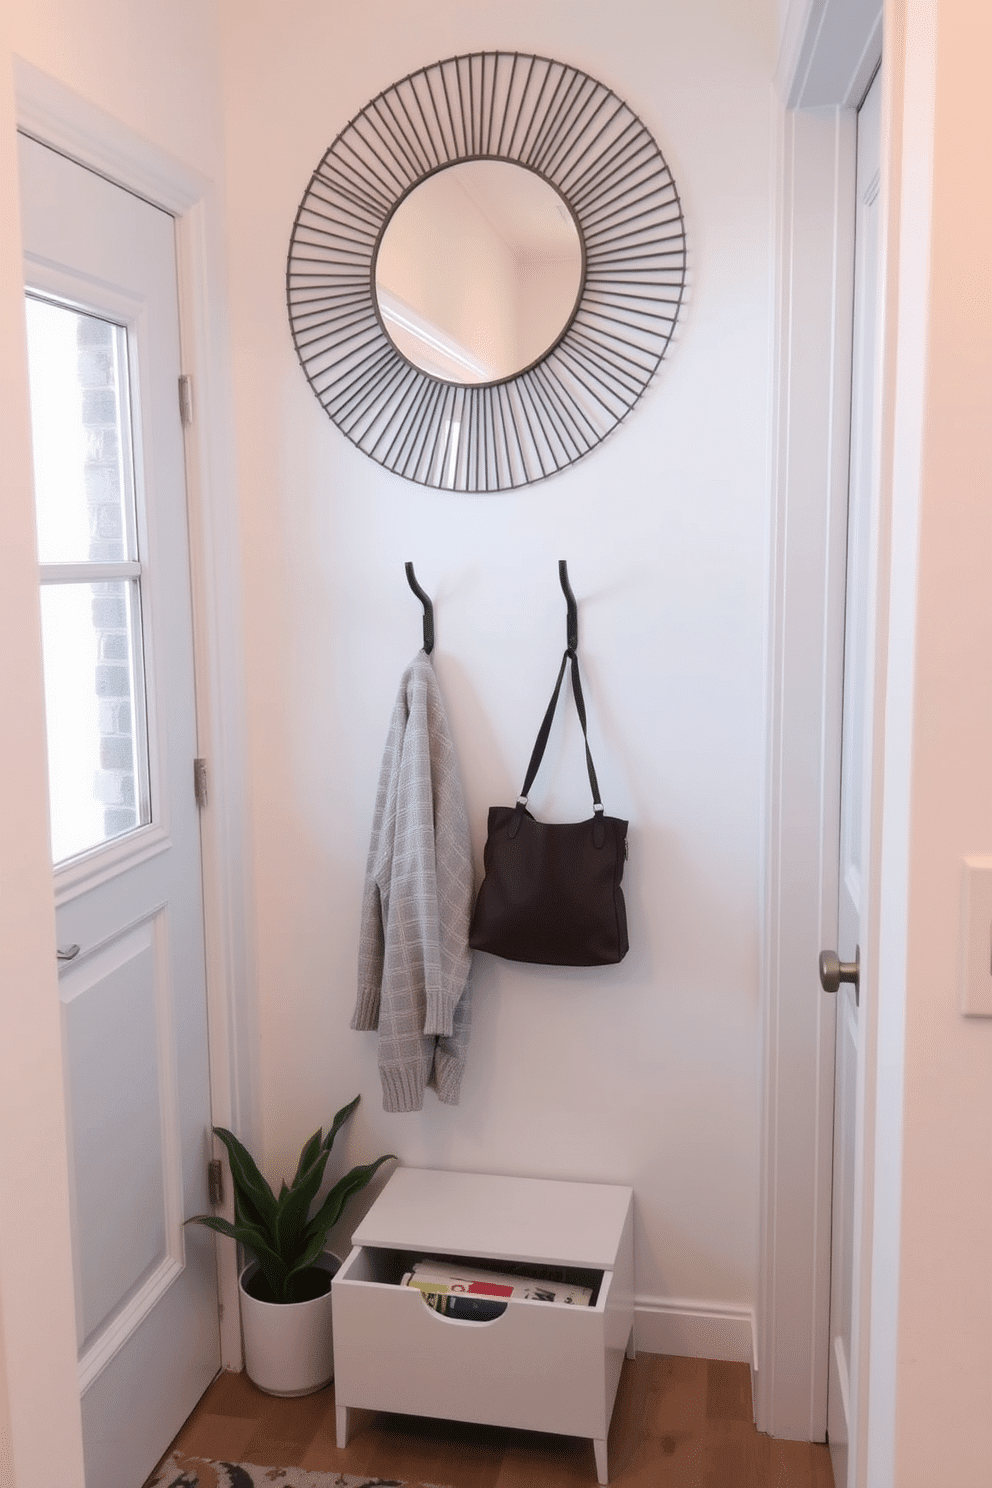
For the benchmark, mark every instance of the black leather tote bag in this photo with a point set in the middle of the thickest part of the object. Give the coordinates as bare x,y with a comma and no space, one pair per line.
551,892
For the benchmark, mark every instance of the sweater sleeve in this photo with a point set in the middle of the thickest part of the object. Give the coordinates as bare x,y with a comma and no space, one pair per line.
371,949
453,874
375,892
414,958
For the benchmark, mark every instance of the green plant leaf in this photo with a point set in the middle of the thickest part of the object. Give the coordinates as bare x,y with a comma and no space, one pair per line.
246,1212
250,1236
214,1222
338,1123
254,1240
330,1210
251,1192
309,1154
313,1250
273,1266
277,1231
291,1216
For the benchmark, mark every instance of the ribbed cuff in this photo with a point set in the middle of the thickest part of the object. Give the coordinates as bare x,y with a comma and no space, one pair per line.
447,1076
366,1014
402,1089
439,1022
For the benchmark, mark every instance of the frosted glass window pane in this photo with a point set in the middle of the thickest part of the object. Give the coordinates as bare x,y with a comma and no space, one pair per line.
81,426
97,760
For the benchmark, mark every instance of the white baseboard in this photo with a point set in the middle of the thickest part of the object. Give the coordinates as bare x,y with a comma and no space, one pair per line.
694,1330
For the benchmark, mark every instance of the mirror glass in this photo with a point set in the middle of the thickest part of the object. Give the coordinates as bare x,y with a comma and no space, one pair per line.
478,271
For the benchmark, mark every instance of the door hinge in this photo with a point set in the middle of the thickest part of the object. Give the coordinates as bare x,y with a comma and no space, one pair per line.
215,1182
200,781
186,398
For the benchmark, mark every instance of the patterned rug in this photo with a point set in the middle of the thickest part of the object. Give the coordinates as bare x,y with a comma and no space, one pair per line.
179,1471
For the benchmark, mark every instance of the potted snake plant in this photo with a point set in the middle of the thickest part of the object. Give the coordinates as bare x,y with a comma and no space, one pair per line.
286,1285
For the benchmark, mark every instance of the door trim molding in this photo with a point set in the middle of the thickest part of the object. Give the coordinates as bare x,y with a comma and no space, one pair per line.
825,67
908,140
828,55
806,667
57,116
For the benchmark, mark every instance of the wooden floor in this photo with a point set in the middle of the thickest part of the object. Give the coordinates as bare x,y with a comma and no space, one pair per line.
678,1423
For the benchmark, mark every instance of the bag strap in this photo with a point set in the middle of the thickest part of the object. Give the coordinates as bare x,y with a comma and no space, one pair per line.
599,831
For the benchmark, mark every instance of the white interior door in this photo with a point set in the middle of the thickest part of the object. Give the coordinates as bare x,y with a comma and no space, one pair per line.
854,774
103,335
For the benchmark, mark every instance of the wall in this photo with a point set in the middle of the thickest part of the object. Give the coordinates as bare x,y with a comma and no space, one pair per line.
647,1073
38,1394
6,1440
671,614
154,69
938,744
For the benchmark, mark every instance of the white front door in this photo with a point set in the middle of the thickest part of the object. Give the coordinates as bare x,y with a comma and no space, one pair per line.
854,775
103,336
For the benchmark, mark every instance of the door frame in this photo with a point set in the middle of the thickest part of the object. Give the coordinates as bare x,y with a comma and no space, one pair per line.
61,118
827,59
802,697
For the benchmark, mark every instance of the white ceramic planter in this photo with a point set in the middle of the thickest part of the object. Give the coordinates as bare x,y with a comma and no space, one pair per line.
289,1347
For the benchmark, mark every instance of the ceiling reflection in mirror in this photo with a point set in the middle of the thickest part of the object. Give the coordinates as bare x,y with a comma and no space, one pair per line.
478,271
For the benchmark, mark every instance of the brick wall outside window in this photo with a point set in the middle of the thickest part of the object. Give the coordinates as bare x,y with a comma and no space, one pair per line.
114,784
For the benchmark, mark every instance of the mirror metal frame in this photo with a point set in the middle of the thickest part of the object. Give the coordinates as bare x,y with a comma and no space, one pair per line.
598,156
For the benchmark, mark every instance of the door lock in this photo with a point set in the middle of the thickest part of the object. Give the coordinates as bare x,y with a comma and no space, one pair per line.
833,971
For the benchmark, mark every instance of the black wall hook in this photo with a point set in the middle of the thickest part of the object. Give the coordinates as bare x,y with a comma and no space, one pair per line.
425,600
572,613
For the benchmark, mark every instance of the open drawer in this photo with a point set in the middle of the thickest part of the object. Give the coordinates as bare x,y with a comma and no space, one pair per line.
539,1366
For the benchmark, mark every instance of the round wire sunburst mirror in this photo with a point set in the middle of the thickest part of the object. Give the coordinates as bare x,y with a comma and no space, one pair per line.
495,432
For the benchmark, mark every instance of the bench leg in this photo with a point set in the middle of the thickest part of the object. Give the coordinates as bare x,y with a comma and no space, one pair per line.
342,1413
599,1444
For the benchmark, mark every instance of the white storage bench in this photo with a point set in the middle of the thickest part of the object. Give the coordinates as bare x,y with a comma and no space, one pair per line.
538,1366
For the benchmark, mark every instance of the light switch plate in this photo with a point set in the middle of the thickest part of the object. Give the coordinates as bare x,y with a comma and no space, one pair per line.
975,956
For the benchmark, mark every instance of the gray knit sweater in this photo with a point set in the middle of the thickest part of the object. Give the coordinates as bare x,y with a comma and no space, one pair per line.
414,961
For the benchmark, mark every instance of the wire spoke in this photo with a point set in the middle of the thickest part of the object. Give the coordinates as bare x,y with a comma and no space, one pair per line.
586,143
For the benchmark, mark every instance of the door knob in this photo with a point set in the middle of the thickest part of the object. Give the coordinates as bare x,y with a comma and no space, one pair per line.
833,971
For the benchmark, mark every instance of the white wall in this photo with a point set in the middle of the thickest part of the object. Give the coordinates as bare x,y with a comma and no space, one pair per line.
6,1438
653,1067
38,1396
935,1199
154,69
647,1073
